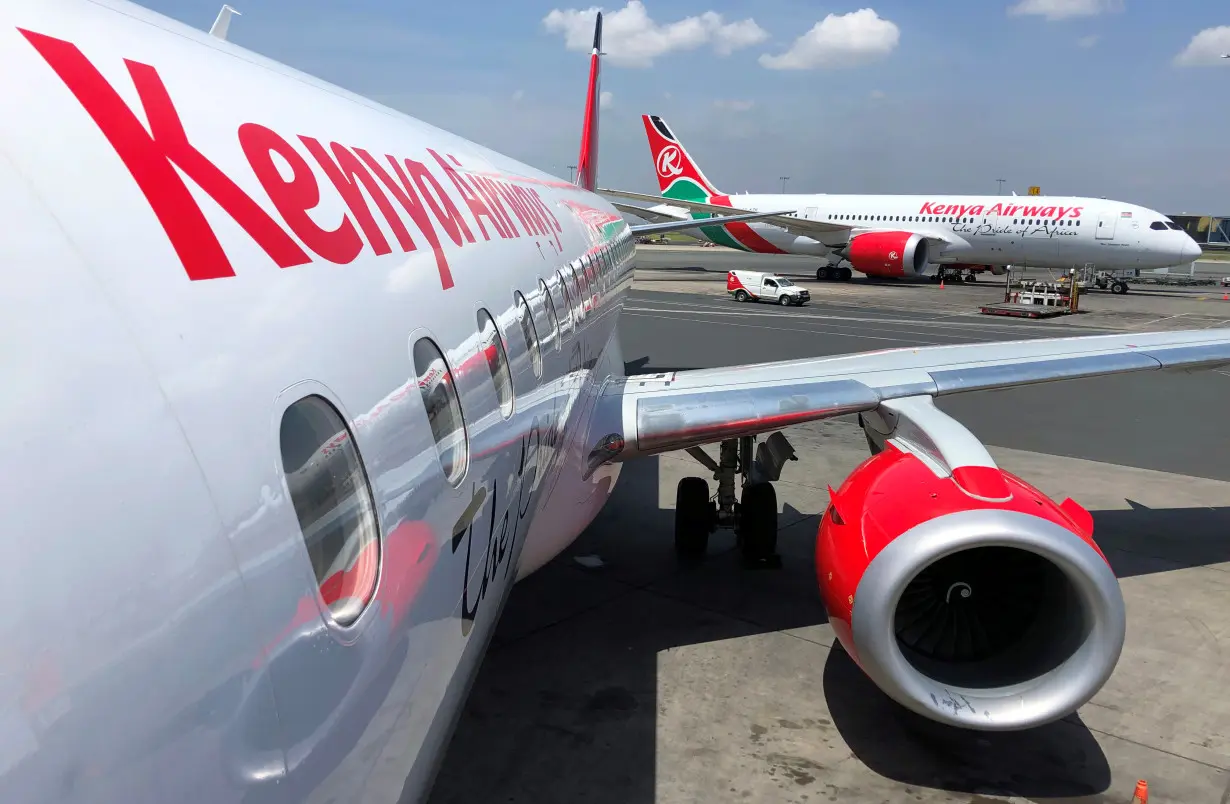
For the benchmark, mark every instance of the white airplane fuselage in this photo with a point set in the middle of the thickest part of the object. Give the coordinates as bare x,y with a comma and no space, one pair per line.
1041,231
196,238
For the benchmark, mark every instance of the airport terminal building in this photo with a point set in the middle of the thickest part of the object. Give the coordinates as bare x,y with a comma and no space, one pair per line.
1210,231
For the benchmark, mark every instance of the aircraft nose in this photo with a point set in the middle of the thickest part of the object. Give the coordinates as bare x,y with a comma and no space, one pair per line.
1190,251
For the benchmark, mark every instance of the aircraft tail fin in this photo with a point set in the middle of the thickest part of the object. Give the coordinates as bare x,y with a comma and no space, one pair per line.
587,161
678,174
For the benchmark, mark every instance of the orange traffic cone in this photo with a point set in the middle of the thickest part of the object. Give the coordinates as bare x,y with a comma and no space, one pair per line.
941,284
1141,796
1224,296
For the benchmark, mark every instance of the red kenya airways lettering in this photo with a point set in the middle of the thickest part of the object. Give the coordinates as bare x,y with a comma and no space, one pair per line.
1049,213
152,158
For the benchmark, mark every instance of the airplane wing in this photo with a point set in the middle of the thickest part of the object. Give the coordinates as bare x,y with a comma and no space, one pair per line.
784,220
649,414
653,216
679,224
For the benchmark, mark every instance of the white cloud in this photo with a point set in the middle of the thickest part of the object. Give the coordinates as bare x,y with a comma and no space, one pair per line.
734,105
1063,9
605,99
631,39
877,94
1206,47
847,40
1088,41
518,95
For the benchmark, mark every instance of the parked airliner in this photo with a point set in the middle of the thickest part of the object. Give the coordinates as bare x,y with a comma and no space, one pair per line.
297,387
914,235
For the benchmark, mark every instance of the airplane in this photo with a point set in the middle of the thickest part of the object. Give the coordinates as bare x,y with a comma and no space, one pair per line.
300,386
913,235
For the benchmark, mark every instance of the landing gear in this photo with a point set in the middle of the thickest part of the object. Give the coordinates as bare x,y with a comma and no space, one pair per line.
695,518
826,273
752,514
757,526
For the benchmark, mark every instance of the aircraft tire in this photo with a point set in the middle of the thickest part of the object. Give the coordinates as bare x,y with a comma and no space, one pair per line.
845,274
693,518
758,523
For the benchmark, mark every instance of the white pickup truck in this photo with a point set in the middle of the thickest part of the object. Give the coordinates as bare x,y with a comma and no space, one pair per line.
755,286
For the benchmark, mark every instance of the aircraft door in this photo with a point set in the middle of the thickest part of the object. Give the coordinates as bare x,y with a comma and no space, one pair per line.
1106,225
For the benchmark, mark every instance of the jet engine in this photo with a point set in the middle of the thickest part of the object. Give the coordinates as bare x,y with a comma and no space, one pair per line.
964,593
889,253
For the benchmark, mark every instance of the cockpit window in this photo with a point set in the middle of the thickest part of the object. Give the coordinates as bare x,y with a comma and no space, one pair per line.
333,502
1158,225
1175,226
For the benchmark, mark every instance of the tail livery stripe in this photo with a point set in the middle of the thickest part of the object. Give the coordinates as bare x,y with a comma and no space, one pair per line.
587,161
744,233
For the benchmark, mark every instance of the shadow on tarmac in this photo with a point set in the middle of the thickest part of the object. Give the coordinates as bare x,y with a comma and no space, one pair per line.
566,706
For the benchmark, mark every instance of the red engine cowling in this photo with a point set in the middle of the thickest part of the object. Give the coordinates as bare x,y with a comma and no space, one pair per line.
972,599
889,253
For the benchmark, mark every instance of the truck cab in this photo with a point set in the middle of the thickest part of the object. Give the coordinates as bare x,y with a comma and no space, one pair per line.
757,286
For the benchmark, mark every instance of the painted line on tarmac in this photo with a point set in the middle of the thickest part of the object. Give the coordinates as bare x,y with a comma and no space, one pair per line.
901,326
908,341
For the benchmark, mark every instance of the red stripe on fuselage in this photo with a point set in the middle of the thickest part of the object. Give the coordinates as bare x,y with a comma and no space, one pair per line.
744,233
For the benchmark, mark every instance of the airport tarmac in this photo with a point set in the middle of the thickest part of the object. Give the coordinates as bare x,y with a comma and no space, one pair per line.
623,677
689,269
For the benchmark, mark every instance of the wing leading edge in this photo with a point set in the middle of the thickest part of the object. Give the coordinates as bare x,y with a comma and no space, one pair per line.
679,224
646,415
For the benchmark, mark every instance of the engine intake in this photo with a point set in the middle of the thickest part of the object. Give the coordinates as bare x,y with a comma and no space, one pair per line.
964,593
989,619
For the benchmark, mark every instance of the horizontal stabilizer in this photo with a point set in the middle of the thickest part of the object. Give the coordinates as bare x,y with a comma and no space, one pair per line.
692,223
783,220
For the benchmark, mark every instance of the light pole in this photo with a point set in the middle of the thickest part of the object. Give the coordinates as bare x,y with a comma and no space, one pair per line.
572,169
1001,186
784,180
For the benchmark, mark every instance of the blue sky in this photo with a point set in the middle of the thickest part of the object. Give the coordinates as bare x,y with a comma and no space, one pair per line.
964,92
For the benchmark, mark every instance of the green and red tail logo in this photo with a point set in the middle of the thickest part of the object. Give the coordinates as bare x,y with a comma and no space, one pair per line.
678,176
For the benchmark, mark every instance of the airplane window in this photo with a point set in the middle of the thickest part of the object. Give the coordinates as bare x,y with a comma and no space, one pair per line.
563,286
578,289
1158,225
552,318
333,502
1078,223
435,382
492,347
527,330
